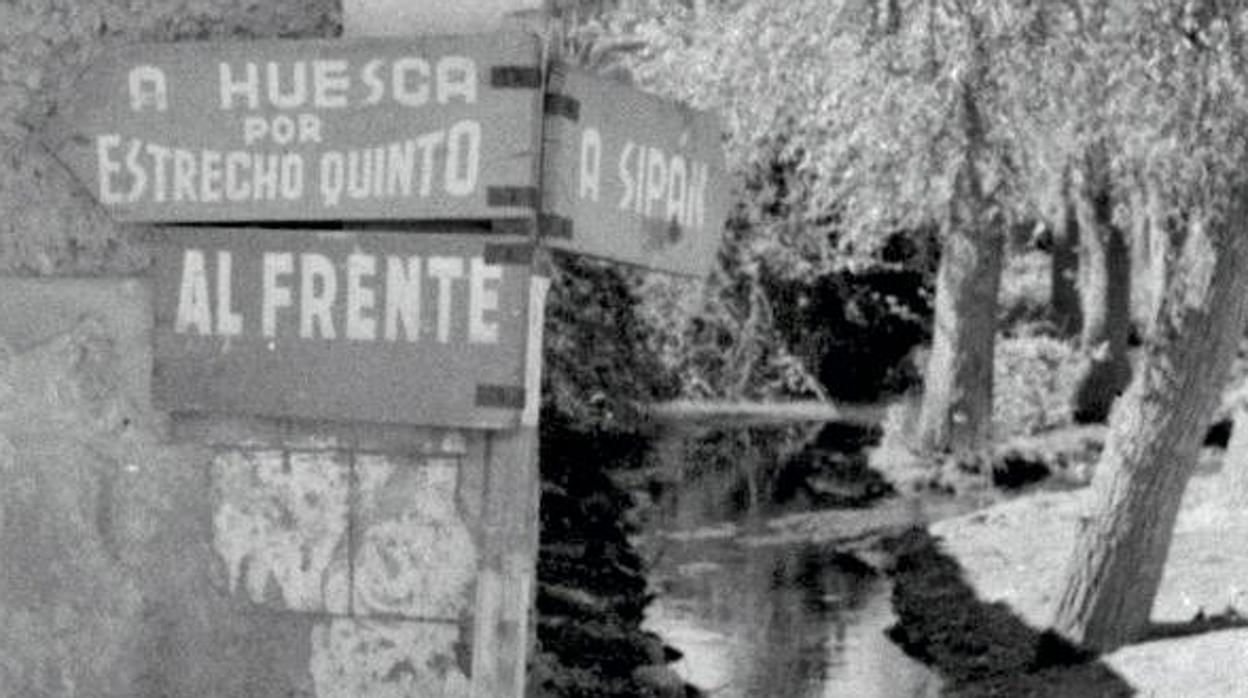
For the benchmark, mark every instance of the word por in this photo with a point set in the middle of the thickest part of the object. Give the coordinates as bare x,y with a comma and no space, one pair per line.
362,297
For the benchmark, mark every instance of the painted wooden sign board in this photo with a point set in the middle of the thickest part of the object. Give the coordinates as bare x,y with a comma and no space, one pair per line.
372,326
436,127
632,177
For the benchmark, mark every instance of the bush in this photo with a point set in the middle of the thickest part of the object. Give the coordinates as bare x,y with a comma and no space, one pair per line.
1035,379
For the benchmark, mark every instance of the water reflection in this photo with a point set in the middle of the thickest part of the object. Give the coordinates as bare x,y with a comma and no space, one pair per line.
758,610
778,621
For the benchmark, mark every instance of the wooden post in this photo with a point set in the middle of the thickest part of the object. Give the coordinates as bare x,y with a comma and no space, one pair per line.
506,579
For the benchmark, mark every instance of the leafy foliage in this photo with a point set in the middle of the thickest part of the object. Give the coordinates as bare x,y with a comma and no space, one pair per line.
599,363
1035,378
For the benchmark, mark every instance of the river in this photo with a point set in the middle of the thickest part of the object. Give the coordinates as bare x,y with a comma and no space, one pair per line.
758,612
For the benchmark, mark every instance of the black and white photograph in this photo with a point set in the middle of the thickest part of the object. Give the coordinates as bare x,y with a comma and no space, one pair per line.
623,348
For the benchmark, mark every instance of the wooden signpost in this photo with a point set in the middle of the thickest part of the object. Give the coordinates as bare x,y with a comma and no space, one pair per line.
631,177
367,129
388,321
369,326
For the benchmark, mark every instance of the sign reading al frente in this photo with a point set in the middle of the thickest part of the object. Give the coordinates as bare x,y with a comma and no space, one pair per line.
366,129
426,328
635,178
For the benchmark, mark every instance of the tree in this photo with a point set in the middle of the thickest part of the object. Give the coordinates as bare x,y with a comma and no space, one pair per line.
902,116
1180,114
929,131
957,403
1063,274
1104,292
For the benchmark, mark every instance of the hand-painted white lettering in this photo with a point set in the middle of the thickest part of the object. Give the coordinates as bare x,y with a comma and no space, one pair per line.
445,270
626,177
148,88
309,128
108,168
403,298
371,75
183,175
660,185
161,157
483,281
410,81
445,162
330,82
237,187
296,94
318,290
139,177
656,180
461,294
229,321
677,189
359,173
639,196
291,177
457,78
409,91
695,197
211,179
361,299
194,310
428,145
246,87
591,164
273,294
333,177
463,157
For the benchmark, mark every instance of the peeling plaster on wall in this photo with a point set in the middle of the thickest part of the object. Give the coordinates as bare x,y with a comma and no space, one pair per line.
416,557
281,522
392,659
66,441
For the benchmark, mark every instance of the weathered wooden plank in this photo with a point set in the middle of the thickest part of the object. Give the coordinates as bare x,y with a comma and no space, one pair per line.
434,127
632,177
382,327
505,582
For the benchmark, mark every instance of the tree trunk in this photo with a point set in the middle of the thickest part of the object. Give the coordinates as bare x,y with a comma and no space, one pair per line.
1064,271
1105,297
1151,277
1142,309
1154,440
956,415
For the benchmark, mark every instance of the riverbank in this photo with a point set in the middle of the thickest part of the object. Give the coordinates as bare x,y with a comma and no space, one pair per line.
974,592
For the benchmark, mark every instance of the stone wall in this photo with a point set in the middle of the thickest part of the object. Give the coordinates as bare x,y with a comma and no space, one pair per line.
146,556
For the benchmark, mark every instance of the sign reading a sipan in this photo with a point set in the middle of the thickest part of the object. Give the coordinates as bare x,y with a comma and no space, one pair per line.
632,177
365,129
372,326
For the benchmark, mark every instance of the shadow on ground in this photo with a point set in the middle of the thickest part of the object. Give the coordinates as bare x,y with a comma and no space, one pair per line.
982,649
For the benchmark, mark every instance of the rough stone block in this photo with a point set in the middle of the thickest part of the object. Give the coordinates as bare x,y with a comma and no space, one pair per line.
388,659
415,555
280,527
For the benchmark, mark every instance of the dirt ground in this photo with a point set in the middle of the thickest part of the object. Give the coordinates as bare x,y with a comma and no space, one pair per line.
975,592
